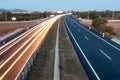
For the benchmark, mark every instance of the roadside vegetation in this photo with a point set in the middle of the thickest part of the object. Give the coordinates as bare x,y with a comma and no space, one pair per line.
7,16
108,14
99,24
99,21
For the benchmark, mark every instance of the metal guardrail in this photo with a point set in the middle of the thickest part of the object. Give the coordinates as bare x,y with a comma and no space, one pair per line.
22,74
6,40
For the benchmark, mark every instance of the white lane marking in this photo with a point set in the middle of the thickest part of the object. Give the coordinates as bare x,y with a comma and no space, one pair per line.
98,36
83,53
105,54
74,26
86,37
78,30
1,61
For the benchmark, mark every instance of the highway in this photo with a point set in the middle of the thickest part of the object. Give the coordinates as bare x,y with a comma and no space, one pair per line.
15,54
100,57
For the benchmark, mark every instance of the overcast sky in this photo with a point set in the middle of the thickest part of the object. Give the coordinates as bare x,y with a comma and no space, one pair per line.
58,5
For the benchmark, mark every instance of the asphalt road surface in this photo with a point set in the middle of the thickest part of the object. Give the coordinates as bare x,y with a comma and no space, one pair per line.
100,57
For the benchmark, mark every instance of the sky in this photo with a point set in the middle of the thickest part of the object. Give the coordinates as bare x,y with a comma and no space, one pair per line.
61,5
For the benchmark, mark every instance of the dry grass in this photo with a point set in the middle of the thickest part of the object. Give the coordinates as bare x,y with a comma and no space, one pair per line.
115,25
6,28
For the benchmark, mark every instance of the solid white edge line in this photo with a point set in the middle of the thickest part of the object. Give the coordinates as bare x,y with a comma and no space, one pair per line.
56,63
83,53
98,36
105,54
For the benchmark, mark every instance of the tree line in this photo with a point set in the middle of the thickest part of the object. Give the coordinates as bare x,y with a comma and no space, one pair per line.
103,14
7,16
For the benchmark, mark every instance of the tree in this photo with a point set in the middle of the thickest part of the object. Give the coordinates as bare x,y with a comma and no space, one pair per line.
84,14
99,21
6,16
105,28
93,15
9,15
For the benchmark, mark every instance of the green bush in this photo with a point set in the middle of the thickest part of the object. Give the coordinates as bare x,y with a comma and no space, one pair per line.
105,28
98,22
93,15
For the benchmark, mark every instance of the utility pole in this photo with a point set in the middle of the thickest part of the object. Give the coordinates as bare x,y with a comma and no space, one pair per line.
113,15
88,15
31,16
5,16
42,15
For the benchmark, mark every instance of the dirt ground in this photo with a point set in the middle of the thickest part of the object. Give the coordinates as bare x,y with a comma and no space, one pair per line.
115,25
86,22
6,28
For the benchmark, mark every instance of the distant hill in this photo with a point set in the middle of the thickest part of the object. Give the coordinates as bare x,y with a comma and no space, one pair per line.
18,10
13,10
2,10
